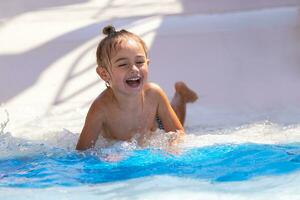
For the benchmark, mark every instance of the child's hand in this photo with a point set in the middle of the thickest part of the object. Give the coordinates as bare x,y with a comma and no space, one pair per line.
175,138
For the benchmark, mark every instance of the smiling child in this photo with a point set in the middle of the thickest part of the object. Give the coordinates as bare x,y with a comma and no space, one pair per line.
130,105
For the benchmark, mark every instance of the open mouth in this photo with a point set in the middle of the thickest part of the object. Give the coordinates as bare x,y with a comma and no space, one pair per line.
134,81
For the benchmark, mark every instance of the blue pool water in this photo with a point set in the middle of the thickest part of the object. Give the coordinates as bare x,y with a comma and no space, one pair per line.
215,163
232,157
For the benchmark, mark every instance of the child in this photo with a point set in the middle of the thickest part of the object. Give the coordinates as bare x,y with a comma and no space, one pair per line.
130,105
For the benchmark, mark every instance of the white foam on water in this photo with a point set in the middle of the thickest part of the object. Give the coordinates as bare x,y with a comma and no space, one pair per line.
264,132
61,129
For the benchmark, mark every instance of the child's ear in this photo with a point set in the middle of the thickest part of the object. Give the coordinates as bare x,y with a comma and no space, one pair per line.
102,72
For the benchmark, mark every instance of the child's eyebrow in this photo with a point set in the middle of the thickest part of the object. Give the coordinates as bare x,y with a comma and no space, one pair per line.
122,58
119,59
140,57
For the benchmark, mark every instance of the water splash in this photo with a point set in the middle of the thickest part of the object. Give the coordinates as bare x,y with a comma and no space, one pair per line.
4,119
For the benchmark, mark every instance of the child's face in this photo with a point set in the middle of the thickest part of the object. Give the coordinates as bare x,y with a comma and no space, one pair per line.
129,68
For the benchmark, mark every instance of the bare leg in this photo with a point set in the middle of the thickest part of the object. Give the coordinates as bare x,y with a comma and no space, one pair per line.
182,96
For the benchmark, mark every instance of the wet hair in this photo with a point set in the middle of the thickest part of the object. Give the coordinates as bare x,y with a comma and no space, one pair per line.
113,42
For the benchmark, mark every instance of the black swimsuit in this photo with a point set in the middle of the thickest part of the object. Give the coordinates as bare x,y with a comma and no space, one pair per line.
159,123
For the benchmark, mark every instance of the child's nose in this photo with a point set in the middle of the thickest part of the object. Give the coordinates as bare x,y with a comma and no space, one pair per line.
134,67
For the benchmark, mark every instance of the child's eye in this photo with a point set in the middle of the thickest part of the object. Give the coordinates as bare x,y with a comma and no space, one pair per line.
122,65
140,62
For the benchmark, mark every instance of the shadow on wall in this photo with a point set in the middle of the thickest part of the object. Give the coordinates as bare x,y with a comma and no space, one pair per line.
20,71
193,64
12,8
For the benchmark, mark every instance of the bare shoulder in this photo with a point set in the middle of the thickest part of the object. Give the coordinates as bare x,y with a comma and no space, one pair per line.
154,89
100,104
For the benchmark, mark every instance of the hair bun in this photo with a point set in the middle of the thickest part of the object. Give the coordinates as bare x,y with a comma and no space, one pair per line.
109,30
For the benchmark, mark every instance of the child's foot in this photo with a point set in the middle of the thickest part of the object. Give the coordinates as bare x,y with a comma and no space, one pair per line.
188,94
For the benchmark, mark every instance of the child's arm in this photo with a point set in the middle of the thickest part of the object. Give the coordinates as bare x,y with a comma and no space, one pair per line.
166,113
91,129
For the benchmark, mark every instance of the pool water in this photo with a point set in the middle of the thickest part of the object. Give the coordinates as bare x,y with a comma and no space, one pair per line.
223,156
216,163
